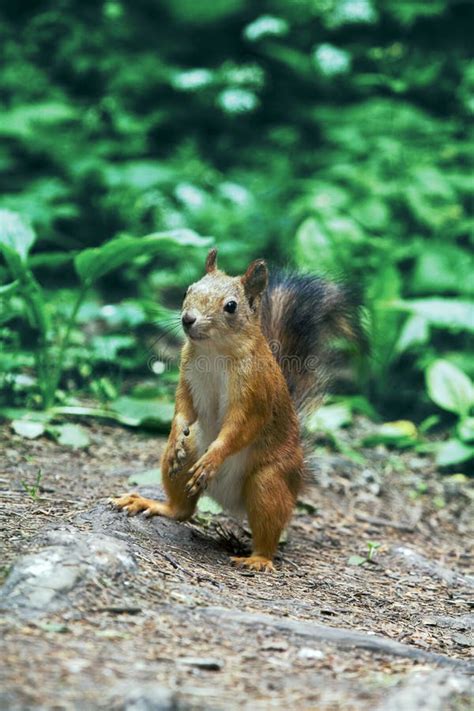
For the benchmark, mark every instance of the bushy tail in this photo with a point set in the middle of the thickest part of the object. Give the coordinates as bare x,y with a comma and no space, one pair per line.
303,317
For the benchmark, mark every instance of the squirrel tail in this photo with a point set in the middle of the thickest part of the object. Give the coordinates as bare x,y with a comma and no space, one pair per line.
303,317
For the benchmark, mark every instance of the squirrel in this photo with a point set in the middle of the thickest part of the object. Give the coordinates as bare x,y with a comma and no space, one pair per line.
255,356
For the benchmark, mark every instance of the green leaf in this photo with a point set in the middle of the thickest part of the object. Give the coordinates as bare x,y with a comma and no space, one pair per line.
16,237
107,347
20,413
50,260
9,289
466,429
149,476
359,403
203,13
428,423
415,332
329,418
443,267
208,505
453,452
314,247
372,213
70,435
91,264
151,413
356,560
81,411
449,387
451,314
28,428
23,120
401,433
13,413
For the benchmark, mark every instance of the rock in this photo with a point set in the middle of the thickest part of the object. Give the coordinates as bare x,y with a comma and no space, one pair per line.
145,697
463,640
41,581
463,622
340,637
429,691
104,519
412,559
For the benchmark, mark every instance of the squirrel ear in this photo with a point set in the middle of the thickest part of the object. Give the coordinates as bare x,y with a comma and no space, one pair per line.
255,278
211,261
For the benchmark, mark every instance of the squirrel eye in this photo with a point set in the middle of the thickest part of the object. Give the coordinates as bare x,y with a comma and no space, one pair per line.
230,307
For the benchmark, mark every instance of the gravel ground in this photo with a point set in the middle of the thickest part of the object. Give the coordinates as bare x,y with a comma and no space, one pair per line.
101,611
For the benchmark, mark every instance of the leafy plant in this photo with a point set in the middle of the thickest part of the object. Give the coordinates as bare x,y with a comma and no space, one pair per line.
363,172
16,240
453,390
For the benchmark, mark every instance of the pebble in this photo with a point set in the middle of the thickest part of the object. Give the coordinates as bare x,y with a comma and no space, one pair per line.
309,653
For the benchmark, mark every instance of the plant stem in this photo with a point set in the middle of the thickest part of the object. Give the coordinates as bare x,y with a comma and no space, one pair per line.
54,381
34,299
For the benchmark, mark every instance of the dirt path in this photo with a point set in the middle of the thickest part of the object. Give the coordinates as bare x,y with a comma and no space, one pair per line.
101,611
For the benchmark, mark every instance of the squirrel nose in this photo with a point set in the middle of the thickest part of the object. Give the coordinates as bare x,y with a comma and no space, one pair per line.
188,319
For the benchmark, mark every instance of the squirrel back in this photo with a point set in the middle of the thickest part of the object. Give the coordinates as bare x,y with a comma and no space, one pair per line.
302,316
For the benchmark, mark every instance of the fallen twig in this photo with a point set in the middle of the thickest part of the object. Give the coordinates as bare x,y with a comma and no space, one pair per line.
117,609
376,521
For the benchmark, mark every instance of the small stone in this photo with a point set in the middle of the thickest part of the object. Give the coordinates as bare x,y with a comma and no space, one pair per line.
12,455
464,640
309,653
75,666
147,697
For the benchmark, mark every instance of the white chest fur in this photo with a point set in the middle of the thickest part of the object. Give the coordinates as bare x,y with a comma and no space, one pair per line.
208,379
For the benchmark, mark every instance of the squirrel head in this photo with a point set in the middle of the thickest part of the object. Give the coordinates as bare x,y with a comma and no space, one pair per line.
220,308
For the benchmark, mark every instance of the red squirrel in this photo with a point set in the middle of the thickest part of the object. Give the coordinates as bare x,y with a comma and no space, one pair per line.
254,356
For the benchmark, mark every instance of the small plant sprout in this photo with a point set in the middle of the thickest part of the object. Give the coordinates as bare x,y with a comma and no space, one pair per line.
33,489
372,547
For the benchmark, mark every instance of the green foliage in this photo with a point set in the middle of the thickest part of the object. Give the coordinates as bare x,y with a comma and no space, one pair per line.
400,434
33,490
92,264
145,478
328,134
53,343
450,388
453,390
372,547
70,435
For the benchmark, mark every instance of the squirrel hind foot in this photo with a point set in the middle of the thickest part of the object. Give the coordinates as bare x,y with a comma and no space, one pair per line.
254,562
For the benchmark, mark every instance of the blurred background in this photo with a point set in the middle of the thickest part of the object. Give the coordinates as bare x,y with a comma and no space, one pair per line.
328,135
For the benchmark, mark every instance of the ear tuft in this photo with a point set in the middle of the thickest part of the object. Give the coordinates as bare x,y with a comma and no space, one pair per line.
255,278
211,261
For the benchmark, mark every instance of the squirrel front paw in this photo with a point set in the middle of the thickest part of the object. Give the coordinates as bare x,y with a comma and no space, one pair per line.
177,453
201,473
